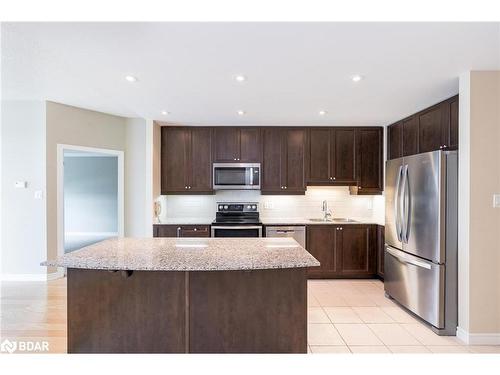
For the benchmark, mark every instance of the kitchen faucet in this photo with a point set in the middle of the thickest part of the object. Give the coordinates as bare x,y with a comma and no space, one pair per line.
327,214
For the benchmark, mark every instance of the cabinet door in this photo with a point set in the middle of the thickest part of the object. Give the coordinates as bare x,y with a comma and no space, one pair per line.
343,161
174,159
380,250
194,231
430,129
453,138
355,251
293,176
321,244
200,174
410,136
250,145
166,230
271,160
395,141
319,150
370,160
226,144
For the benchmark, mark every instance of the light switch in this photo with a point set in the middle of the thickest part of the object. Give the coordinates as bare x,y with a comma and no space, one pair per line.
38,194
21,184
496,200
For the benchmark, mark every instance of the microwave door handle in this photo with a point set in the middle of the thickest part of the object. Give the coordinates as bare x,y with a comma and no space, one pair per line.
397,205
250,176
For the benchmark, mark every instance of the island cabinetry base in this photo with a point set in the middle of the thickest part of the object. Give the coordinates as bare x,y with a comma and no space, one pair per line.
258,311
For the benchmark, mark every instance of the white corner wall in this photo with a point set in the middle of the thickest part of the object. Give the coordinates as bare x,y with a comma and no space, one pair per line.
23,241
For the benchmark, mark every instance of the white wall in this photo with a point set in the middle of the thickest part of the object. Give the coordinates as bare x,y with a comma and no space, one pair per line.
284,206
137,183
23,242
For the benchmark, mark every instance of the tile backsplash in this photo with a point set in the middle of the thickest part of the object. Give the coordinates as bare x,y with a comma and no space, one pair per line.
340,202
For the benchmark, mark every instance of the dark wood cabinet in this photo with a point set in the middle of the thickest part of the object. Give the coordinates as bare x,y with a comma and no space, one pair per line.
434,128
395,140
240,145
163,230
348,251
320,242
369,161
186,160
331,158
356,250
283,161
380,250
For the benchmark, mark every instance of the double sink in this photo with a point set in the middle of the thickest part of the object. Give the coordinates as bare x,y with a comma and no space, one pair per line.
333,220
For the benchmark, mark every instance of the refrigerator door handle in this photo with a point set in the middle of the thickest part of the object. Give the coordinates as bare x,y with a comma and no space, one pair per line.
397,205
407,209
402,201
402,258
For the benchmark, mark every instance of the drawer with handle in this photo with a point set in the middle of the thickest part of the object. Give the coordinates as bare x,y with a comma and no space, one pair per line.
163,230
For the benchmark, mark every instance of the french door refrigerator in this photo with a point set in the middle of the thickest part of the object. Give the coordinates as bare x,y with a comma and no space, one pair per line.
420,266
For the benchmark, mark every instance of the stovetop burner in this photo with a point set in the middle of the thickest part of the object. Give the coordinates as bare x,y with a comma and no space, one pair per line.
237,213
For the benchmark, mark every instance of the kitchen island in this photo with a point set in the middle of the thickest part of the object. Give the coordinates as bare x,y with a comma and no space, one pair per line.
187,295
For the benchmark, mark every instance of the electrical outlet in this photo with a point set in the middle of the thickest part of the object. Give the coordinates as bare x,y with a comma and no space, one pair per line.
39,194
496,200
269,205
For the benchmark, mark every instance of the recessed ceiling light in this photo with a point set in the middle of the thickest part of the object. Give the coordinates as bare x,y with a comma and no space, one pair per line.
240,78
131,78
164,113
322,113
241,113
357,78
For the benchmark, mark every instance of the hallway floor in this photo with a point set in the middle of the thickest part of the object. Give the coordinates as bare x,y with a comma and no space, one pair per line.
344,316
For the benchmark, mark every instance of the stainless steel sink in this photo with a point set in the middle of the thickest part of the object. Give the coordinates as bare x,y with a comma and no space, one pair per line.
335,219
343,220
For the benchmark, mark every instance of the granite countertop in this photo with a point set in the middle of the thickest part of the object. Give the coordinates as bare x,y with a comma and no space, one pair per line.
270,221
188,254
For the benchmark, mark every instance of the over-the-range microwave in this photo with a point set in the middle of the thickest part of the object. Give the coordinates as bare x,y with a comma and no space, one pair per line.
236,176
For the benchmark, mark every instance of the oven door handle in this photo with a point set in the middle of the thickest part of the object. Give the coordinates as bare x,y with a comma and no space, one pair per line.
237,227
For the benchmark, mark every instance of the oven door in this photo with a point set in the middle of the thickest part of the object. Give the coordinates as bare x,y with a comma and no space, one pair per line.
236,176
236,231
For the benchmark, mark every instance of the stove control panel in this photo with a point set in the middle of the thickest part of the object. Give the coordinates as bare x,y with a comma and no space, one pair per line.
237,207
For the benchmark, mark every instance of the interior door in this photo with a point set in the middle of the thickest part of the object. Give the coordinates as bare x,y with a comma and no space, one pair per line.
393,173
422,206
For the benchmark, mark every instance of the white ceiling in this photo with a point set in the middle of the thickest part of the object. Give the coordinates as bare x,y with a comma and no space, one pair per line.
293,70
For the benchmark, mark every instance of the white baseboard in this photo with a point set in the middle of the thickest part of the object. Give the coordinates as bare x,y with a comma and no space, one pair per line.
478,338
32,276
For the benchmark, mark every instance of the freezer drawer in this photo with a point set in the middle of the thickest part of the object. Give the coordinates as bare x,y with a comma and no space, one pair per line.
416,284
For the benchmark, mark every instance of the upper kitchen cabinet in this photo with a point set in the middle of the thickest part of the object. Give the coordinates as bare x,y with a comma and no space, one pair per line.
331,156
186,160
240,145
434,128
369,161
283,160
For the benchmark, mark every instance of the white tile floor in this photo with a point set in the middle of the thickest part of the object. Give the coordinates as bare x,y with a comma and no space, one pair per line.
354,316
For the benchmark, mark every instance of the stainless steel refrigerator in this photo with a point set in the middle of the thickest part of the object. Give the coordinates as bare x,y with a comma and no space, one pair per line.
421,236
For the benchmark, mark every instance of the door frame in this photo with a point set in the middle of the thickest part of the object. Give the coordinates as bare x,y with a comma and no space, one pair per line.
60,188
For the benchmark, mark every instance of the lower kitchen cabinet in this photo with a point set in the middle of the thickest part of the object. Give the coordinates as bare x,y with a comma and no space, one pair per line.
380,250
163,230
344,251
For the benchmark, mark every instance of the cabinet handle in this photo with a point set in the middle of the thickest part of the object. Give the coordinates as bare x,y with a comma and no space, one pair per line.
178,231
440,147
359,187
234,159
195,229
189,187
285,187
444,146
334,178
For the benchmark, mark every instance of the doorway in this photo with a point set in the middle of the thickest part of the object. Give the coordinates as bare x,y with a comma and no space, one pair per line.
90,196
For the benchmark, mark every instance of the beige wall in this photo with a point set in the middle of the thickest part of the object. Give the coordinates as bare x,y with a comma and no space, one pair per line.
479,237
74,126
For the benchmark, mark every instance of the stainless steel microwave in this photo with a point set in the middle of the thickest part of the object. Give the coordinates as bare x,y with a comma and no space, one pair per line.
236,176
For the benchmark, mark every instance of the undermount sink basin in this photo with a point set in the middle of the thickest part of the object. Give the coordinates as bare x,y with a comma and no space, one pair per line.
335,219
